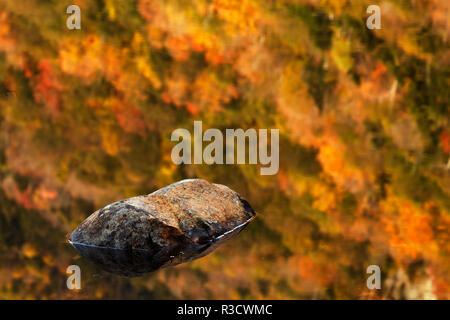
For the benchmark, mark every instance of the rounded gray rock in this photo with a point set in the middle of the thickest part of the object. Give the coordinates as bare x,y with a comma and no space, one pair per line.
178,223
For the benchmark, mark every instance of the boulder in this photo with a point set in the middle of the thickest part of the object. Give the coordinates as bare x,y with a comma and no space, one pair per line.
178,223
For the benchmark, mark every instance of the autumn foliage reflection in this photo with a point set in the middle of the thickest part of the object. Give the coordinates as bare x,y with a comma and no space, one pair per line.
364,140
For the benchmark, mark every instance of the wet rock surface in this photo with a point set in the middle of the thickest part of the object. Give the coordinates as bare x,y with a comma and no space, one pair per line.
178,223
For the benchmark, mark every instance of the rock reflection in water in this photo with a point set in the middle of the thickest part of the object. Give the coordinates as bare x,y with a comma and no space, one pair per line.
137,262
